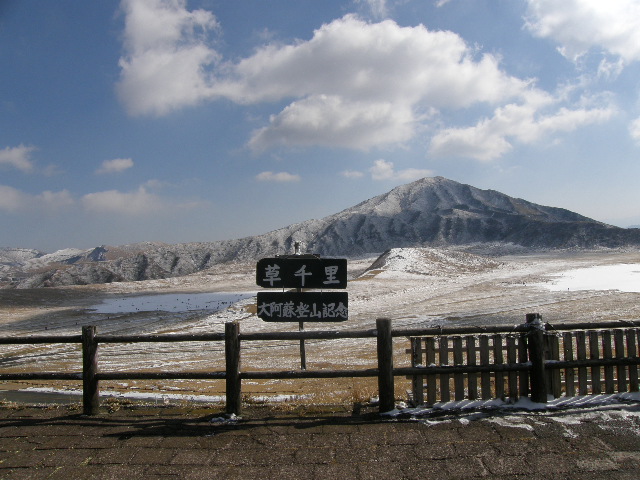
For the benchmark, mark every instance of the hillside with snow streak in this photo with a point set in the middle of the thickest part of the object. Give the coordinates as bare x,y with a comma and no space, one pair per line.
431,262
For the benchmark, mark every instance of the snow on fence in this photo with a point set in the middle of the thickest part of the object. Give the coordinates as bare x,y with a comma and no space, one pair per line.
472,362
541,360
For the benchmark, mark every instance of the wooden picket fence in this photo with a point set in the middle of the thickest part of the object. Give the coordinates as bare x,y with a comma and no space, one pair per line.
576,359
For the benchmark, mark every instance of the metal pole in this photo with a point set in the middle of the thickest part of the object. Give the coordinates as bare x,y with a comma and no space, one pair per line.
303,353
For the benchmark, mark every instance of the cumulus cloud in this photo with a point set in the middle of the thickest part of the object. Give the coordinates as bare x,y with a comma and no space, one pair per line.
17,157
580,25
379,62
352,174
378,8
277,177
362,85
13,200
166,54
353,84
138,202
525,122
383,170
634,129
115,166
55,200
333,121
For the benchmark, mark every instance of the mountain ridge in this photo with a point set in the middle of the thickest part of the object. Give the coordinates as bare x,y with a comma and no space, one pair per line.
430,212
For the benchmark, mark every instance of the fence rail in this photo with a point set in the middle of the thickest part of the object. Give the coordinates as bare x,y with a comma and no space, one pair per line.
490,362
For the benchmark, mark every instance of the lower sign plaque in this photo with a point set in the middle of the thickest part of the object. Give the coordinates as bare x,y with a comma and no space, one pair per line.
303,307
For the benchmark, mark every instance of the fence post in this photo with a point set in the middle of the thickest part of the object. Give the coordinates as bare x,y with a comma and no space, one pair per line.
232,358
386,392
90,393
535,344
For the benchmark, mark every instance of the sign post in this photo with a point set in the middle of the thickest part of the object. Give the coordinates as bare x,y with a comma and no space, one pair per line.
301,273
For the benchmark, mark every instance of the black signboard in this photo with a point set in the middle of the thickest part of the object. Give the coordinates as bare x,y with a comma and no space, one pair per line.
303,307
302,271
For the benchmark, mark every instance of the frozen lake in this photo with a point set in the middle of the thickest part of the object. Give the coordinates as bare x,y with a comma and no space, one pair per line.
624,277
174,302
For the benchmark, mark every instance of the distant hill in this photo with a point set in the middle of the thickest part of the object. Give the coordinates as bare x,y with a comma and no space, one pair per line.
431,212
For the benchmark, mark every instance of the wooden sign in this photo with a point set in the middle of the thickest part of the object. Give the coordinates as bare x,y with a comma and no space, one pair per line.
303,307
302,271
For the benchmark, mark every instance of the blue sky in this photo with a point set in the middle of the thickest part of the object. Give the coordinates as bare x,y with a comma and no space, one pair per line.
202,120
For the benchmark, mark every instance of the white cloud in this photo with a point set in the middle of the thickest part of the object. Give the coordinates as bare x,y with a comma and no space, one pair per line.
383,170
166,56
372,62
277,177
138,202
352,174
354,84
580,25
526,123
115,166
378,8
17,157
55,200
332,121
634,129
361,85
13,200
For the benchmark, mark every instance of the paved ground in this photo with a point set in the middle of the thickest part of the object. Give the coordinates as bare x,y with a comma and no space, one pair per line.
150,442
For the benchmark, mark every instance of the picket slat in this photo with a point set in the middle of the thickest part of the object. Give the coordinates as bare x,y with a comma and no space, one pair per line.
581,352
498,359
513,376
618,340
632,352
458,359
607,352
472,378
569,373
430,353
594,353
523,357
445,390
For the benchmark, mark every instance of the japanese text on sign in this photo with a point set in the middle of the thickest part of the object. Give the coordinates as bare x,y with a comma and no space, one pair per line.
308,307
296,272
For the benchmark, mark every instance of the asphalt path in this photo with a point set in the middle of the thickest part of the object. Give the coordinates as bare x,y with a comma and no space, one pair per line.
196,442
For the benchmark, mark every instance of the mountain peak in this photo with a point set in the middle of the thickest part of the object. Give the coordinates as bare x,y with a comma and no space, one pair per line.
430,212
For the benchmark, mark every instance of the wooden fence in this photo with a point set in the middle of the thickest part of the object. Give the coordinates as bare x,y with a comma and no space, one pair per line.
565,359
518,361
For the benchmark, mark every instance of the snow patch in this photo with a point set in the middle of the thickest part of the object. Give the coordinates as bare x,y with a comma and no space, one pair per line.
624,277
176,302
431,261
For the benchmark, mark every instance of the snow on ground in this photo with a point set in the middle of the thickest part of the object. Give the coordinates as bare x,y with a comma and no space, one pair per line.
170,302
624,277
615,412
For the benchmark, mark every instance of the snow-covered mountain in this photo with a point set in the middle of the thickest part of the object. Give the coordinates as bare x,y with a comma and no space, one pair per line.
430,212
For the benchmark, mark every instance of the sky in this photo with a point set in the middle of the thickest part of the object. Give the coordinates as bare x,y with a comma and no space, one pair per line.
203,120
